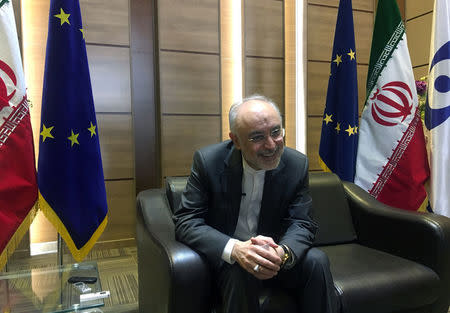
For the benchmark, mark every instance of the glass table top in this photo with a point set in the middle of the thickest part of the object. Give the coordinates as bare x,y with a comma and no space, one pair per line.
47,289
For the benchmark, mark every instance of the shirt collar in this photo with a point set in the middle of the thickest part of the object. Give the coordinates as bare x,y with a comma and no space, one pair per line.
250,170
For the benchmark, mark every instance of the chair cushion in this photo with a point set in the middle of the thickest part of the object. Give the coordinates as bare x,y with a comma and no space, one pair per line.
174,188
372,281
330,209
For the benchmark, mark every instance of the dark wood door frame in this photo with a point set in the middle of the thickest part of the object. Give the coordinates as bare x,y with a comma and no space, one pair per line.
145,93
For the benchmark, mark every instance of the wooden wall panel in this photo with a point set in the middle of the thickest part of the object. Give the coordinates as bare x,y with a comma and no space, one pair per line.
401,7
418,31
181,136
190,83
415,8
17,17
363,23
264,31
362,79
264,49
266,77
367,5
110,78
321,25
120,196
314,128
318,75
189,25
420,71
189,72
106,21
116,145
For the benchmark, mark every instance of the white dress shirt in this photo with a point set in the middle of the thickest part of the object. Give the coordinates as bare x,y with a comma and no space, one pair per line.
252,192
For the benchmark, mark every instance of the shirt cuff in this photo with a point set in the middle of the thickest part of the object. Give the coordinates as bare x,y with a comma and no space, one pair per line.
226,254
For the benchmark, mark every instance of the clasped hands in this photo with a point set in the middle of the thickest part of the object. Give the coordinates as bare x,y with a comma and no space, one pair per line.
262,251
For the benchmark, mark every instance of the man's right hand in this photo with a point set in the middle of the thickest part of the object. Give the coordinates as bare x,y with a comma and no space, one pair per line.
248,255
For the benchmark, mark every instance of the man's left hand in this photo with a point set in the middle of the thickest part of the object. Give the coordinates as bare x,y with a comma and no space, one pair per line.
268,242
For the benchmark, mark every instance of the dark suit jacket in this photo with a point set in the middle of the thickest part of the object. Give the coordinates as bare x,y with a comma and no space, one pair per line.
209,208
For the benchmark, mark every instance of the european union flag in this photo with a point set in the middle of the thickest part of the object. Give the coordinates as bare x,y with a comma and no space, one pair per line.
339,138
70,173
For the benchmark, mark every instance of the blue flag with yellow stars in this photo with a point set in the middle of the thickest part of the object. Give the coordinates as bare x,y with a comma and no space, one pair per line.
70,174
339,138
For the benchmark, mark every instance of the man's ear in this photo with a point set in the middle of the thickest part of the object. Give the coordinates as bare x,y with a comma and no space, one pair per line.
235,140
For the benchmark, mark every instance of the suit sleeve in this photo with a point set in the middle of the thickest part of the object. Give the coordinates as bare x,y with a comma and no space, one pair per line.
190,218
299,228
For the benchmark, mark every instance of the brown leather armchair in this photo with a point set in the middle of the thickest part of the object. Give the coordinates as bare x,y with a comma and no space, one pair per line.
382,259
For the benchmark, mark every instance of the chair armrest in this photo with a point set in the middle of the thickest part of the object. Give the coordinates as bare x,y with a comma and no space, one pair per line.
420,237
172,277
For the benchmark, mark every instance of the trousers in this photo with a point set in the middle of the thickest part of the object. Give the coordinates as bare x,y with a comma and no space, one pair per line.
310,283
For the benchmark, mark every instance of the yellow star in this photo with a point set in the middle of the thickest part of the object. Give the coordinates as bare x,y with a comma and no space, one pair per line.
351,54
82,31
356,129
92,130
74,139
46,132
338,127
63,16
327,118
350,130
338,59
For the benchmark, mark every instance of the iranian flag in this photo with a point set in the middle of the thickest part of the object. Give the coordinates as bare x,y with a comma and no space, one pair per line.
18,187
392,161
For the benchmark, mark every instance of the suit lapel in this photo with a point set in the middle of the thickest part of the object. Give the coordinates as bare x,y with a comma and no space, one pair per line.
231,181
272,195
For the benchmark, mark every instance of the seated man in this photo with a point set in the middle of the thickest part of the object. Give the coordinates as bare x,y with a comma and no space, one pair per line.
246,208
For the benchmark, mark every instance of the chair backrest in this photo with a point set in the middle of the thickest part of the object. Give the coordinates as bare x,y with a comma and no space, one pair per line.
174,188
330,207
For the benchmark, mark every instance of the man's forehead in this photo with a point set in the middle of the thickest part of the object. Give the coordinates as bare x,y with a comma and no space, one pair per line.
257,109
255,105
259,122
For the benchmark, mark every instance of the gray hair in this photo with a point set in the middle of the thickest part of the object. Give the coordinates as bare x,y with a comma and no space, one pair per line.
235,108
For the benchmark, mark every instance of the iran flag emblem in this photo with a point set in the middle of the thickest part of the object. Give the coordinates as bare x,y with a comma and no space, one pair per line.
392,160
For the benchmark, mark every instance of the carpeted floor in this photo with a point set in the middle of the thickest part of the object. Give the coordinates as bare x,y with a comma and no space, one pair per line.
117,270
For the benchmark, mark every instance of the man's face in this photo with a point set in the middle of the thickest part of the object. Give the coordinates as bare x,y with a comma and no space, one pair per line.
259,135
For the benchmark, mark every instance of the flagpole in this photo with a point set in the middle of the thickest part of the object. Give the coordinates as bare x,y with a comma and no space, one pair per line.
60,253
60,263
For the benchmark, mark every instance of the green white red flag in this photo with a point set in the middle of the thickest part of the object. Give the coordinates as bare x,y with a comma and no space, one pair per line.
392,161
18,187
